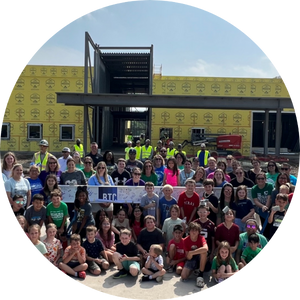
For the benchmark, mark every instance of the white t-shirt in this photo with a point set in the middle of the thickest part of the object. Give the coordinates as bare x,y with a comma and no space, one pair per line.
20,187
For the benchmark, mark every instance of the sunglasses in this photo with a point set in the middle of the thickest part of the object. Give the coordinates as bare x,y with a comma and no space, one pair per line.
228,159
148,166
251,226
87,162
260,178
284,169
163,151
271,165
137,174
52,163
158,159
19,202
100,168
238,172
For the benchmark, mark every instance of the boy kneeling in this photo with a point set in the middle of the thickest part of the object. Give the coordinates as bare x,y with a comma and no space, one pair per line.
126,256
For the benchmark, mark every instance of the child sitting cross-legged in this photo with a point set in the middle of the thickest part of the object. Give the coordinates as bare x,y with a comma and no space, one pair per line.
154,266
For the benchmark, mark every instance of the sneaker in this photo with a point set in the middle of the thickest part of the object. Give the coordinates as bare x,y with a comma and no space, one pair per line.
146,278
196,272
81,274
159,278
171,269
200,282
120,274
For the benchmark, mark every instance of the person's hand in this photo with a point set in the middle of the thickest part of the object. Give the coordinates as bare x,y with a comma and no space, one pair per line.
61,230
123,258
98,260
264,208
189,256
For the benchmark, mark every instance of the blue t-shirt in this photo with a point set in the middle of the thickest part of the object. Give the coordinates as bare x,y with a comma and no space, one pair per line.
93,249
36,186
160,175
164,206
242,208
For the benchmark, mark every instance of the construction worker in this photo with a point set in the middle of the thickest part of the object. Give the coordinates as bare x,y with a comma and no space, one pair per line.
129,146
171,151
40,158
158,147
147,151
142,139
179,149
203,155
138,149
130,136
79,148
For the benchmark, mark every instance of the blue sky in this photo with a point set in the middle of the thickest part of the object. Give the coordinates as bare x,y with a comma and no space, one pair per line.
187,41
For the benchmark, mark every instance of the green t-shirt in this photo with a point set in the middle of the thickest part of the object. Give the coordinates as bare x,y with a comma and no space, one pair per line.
232,263
271,178
262,194
248,254
243,244
41,247
57,213
152,178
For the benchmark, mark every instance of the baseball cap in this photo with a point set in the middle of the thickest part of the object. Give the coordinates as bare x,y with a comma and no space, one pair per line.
43,143
202,145
66,149
178,227
132,151
138,142
129,142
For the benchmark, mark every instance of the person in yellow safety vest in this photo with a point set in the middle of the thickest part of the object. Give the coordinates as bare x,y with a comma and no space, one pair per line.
147,151
79,148
203,155
138,149
179,149
142,139
130,137
158,147
129,146
40,158
171,151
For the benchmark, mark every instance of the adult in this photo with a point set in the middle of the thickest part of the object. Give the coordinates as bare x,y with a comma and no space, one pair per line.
88,169
261,195
171,151
78,162
159,167
109,159
36,185
130,136
129,146
179,150
142,139
255,170
17,185
102,178
78,147
180,160
229,159
235,164
203,155
40,158
132,162
251,227
9,160
138,149
186,173
212,165
225,199
96,157
158,147
272,172
195,163
136,178
219,178
72,176
220,165
282,179
286,168
199,176
52,167
163,153
64,158
148,173
146,151
240,179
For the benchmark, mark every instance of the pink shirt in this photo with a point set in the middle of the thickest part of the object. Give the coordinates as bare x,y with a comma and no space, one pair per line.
170,178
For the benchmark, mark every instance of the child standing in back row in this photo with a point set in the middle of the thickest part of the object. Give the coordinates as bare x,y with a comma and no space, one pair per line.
149,201
165,204
171,173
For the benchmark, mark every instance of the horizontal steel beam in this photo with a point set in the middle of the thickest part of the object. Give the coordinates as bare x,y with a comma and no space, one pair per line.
174,101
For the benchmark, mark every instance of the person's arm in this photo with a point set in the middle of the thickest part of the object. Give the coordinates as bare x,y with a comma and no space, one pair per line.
9,197
243,261
269,201
62,227
192,215
28,198
238,255
258,204
271,216
129,258
83,222
165,179
200,250
233,248
178,179
182,212
157,265
142,250
81,256
250,215
69,256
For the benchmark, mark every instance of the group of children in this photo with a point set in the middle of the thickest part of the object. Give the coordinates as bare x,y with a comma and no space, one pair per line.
188,241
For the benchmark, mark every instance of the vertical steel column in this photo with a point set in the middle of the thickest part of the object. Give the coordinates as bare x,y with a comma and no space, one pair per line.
149,123
86,84
278,132
266,132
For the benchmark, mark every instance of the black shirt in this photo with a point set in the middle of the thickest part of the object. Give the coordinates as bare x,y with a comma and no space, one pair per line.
147,238
130,250
96,158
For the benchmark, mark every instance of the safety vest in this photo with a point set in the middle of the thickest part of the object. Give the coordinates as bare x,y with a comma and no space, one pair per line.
146,152
170,152
37,160
183,152
138,152
79,149
205,157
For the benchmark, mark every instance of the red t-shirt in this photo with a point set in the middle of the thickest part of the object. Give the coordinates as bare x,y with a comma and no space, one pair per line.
136,227
191,245
230,235
180,253
188,204
208,231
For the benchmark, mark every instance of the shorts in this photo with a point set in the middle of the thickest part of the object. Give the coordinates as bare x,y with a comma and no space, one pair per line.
73,264
126,265
194,263
241,225
93,265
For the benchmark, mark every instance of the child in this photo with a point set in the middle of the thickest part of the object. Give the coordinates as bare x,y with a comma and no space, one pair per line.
171,173
188,201
175,251
74,258
212,199
53,245
18,205
84,216
196,248
34,232
95,254
165,204
251,251
149,201
126,257
169,223
57,213
207,229
23,223
243,207
50,185
136,222
277,213
154,266
121,222
285,189
223,265
36,213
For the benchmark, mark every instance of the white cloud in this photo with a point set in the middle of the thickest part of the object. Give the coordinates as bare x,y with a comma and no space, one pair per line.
54,55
